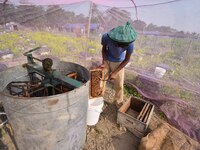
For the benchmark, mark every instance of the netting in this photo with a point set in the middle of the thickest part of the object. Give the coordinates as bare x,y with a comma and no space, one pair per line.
165,64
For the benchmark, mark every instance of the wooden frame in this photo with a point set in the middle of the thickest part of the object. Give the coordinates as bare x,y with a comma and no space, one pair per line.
97,83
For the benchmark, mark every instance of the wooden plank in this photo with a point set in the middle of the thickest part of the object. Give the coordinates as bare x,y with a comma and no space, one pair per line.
125,106
145,106
151,113
147,114
132,124
142,111
132,112
143,115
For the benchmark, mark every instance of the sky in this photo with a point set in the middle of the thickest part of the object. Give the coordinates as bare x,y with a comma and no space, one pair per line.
179,14
183,15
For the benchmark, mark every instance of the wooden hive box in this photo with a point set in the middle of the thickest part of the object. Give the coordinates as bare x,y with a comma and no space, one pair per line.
135,115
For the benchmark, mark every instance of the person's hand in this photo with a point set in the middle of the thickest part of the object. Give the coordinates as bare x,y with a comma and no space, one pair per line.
103,66
112,76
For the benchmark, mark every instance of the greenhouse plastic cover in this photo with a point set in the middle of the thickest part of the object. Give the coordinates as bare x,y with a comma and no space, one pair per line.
165,65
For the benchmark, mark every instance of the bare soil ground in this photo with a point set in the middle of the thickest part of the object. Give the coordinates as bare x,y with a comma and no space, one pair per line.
105,135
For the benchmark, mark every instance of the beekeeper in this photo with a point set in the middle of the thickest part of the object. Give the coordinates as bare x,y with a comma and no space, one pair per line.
117,47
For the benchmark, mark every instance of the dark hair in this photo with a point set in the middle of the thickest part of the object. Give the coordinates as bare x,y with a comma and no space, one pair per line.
122,44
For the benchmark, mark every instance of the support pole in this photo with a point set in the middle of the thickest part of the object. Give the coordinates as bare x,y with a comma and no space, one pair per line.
89,19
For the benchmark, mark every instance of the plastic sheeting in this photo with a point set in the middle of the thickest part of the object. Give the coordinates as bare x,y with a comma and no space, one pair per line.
168,39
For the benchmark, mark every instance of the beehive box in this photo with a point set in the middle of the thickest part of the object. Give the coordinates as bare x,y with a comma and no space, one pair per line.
135,115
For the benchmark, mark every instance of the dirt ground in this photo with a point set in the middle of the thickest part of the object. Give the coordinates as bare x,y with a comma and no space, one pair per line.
105,135
108,135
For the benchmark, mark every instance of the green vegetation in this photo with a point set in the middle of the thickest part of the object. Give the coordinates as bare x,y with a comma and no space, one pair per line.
129,91
9,41
160,114
180,54
148,53
59,45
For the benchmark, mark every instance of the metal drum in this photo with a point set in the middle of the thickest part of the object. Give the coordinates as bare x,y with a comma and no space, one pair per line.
56,122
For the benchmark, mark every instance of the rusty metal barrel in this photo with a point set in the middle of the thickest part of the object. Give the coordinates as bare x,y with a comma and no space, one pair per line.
56,122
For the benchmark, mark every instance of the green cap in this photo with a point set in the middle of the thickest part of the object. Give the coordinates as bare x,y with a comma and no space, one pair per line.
123,34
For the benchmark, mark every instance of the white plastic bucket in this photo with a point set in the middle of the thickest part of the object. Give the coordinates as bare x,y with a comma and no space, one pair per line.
159,72
95,106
